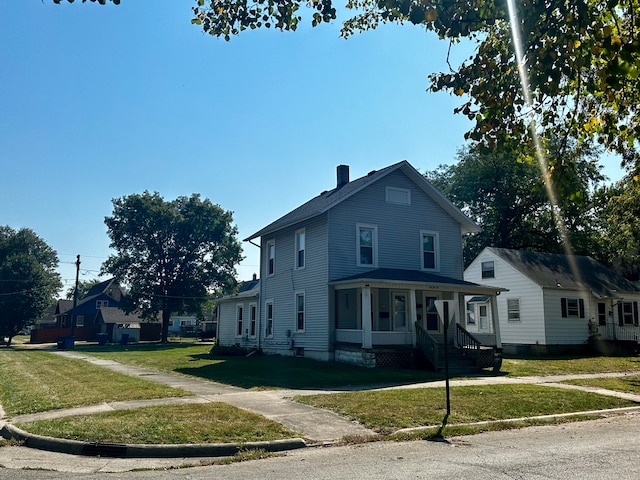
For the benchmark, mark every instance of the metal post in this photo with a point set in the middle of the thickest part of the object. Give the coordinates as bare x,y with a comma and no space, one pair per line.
446,355
75,298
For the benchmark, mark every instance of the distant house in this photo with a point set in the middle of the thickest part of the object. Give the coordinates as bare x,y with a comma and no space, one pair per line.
555,303
183,325
88,319
357,273
115,323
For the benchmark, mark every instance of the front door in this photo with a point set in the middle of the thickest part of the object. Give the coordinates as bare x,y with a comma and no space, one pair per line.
399,305
483,318
431,314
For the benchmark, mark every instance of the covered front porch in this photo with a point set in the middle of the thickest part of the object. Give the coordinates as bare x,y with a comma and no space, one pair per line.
387,310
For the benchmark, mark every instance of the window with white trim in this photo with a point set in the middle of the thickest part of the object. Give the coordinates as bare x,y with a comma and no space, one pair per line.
513,309
628,313
300,312
488,269
253,315
239,320
367,245
269,317
80,321
430,246
101,303
398,196
300,248
572,307
271,257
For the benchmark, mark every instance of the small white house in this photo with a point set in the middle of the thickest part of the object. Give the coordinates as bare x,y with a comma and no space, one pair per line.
554,302
181,325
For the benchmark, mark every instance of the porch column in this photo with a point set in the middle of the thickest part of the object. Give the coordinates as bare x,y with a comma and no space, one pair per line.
413,315
366,317
495,320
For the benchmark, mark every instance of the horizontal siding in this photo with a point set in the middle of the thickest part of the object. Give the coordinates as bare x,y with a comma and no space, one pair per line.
287,280
399,226
227,323
530,330
570,330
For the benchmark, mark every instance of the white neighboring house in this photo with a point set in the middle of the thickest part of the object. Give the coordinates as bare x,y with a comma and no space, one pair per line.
555,303
237,315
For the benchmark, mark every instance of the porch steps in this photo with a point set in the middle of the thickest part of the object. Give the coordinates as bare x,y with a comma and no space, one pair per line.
458,363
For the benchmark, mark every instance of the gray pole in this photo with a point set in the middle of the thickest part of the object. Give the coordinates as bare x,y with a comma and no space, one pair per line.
446,355
75,298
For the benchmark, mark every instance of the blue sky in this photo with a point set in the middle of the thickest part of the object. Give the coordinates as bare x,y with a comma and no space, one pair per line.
97,102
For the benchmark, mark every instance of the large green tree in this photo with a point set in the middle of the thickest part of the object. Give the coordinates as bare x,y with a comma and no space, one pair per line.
28,279
619,221
171,254
581,59
509,200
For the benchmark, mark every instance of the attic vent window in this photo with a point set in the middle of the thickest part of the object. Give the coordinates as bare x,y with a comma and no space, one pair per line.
398,196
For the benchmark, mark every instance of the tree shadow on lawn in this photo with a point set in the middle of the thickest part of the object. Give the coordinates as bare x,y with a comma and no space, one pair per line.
268,372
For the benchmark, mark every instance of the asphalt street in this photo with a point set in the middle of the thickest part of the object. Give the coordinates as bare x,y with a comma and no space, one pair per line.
607,448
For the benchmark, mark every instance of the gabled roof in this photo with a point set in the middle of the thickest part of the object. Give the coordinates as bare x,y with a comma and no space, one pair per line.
550,270
248,289
331,198
396,275
63,306
99,288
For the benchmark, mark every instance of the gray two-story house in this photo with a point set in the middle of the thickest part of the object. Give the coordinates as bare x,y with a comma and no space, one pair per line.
355,274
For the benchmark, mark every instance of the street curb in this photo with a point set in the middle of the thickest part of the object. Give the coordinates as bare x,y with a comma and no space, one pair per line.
76,447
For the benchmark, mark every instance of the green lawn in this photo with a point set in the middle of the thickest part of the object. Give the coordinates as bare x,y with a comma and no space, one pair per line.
629,384
266,371
37,381
197,423
533,366
390,410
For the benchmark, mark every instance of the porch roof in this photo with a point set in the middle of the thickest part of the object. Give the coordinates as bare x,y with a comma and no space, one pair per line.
396,275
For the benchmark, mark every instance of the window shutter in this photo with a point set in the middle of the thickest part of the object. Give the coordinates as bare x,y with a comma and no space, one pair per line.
563,303
620,316
581,307
635,313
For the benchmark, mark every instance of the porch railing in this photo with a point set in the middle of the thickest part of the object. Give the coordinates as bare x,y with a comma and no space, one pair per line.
483,356
613,331
427,344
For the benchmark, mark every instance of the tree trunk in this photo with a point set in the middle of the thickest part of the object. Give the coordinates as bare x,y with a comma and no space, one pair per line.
166,316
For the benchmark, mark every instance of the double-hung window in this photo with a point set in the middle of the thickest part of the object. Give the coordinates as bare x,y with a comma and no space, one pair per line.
300,313
300,248
430,250
513,309
253,314
627,313
271,257
269,315
488,269
572,307
239,320
367,239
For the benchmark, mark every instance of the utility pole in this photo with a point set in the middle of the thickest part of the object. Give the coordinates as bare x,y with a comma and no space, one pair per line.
75,301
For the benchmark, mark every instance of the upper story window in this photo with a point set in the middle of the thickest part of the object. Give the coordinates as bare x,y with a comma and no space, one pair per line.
271,257
367,245
102,303
572,307
488,270
398,196
300,248
430,250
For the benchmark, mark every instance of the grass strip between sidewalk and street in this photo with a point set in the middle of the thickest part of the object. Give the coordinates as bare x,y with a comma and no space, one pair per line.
390,410
195,423
37,381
